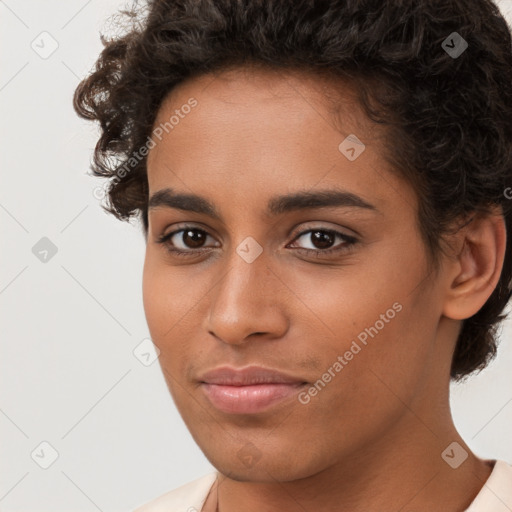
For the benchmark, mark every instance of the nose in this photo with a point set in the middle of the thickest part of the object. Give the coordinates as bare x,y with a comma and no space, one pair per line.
247,302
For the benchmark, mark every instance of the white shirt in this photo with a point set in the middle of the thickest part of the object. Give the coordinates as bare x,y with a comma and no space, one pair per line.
495,495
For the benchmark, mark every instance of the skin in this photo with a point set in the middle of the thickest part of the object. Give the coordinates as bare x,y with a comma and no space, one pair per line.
372,438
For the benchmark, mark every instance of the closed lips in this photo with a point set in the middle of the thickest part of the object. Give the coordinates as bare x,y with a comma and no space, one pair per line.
248,376
250,390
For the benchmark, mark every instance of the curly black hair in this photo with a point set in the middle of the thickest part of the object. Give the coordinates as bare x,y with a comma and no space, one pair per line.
447,107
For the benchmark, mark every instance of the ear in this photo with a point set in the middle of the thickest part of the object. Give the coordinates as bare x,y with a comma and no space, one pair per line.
474,273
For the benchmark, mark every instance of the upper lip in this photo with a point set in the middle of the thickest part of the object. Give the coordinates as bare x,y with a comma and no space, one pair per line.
247,376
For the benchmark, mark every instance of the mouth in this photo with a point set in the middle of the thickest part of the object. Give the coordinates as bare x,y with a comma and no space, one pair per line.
249,390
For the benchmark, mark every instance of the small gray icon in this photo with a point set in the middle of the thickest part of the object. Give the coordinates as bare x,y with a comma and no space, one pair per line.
44,250
146,352
351,147
99,192
454,455
454,45
249,249
249,455
44,45
44,455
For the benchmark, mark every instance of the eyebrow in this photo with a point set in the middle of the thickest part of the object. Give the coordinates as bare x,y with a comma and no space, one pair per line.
277,205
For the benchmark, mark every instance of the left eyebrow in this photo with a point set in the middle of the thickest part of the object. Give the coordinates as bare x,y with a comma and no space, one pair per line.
318,199
277,205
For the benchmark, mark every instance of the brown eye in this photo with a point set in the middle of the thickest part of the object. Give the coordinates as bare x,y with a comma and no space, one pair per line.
188,240
192,238
322,240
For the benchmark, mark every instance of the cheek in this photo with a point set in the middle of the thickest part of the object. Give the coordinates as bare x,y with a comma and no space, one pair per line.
379,374
156,297
382,325
358,302
173,298
387,357
168,296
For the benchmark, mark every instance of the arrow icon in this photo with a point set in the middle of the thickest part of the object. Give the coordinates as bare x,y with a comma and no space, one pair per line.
349,150
249,455
146,352
246,248
44,250
454,45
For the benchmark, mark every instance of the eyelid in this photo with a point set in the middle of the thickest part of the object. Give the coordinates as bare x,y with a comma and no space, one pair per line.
296,231
348,241
305,227
181,226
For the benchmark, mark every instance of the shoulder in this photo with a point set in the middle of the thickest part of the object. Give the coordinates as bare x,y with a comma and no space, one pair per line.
187,498
496,493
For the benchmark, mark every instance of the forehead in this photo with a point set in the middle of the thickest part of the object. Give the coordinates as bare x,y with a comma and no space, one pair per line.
257,109
253,87
256,129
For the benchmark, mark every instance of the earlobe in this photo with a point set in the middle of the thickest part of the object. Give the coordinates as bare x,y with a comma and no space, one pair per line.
477,267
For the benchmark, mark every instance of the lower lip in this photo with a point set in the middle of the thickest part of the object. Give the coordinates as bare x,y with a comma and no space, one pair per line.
248,399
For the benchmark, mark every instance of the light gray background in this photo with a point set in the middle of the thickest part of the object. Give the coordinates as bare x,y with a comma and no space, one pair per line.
69,326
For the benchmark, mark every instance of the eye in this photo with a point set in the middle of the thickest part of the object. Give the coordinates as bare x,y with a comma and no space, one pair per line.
186,241
323,239
190,241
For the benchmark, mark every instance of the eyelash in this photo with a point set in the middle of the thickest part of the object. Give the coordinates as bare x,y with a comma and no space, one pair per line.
349,242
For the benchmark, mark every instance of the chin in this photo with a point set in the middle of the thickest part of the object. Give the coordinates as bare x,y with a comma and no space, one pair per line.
265,470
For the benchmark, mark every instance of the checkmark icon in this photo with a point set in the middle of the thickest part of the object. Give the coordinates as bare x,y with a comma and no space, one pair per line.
44,250
454,45
44,455
146,352
249,249
454,455
44,44
351,147
249,454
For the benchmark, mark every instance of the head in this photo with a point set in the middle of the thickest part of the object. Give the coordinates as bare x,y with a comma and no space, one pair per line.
368,267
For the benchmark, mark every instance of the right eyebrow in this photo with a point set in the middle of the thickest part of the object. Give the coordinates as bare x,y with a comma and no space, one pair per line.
276,206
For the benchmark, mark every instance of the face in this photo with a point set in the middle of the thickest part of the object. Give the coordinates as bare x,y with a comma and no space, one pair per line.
333,292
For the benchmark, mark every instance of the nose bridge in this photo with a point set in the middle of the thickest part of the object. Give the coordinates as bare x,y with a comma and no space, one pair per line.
244,300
